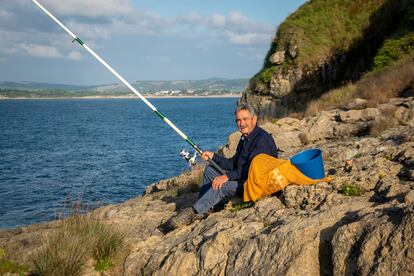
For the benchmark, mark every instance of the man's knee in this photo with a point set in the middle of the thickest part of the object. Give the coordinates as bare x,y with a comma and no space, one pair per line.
210,173
210,170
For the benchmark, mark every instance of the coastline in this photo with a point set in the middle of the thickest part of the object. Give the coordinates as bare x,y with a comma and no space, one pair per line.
121,97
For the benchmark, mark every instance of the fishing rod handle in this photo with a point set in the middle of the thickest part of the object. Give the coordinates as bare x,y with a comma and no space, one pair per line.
216,166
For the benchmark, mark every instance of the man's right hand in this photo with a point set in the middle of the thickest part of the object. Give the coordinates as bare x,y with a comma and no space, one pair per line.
206,155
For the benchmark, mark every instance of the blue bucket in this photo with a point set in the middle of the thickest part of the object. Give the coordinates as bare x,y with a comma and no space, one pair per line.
310,163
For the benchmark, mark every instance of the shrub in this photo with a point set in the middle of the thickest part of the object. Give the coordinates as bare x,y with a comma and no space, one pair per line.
379,87
350,190
7,266
333,99
78,238
62,254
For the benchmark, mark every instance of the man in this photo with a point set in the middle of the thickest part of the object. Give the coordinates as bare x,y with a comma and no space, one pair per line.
217,188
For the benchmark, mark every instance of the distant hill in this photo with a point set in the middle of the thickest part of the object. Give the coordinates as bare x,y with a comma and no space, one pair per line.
27,85
212,84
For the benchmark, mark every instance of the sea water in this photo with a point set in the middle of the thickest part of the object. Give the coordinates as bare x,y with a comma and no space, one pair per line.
100,151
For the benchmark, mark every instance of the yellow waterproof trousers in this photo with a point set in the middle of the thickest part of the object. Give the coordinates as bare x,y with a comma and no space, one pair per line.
268,175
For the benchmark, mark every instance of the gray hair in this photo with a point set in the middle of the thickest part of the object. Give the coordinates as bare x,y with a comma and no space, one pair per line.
245,107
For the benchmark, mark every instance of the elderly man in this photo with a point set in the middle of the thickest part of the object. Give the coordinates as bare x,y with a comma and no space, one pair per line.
217,188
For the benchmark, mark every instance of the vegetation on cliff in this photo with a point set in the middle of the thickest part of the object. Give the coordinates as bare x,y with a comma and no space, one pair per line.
327,44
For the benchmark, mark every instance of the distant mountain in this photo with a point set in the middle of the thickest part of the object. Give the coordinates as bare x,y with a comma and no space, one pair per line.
212,84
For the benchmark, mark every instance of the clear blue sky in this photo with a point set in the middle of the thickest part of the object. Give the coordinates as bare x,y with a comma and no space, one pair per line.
141,39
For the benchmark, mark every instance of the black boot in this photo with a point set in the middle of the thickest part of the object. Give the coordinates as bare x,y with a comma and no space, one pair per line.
185,217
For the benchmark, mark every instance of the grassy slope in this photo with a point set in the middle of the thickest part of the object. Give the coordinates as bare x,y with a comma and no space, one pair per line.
323,29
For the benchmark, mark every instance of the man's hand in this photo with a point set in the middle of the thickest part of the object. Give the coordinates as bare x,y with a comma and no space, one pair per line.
219,181
206,155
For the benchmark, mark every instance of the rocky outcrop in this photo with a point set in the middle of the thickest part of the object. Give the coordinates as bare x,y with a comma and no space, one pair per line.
304,230
324,45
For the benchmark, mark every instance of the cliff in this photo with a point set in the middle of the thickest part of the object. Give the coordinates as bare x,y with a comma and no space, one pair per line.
327,44
360,223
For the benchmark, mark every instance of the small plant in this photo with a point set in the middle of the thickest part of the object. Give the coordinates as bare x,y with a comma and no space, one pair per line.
7,266
106,245
350,190
78,238
381,176
62,254
358,155
241,205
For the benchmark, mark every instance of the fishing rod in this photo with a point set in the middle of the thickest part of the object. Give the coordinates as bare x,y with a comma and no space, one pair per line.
162,116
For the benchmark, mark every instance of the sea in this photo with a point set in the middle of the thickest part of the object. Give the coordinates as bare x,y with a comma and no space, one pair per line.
96,151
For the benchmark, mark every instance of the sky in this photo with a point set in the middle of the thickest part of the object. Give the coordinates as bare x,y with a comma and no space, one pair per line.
140,39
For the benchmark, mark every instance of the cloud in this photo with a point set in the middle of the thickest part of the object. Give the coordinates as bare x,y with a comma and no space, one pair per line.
25,30
74,55
90,8
40,51
247,38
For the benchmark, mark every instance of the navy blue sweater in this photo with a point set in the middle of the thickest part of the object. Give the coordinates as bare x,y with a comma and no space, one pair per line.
257,142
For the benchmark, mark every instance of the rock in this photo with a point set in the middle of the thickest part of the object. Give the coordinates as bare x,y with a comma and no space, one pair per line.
277,58
304,230
232,141
390,187
357,104
292,50
409,197
373,244
364,115
306,196
402,114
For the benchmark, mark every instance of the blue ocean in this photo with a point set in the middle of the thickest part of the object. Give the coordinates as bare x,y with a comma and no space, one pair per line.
101,151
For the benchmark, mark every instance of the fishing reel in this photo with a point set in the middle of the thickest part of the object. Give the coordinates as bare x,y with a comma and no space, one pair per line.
191,160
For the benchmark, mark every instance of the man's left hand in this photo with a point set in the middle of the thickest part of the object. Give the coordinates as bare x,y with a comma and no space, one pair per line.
219,181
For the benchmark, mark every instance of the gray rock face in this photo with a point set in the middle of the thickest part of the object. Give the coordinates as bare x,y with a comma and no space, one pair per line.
278,57
305,230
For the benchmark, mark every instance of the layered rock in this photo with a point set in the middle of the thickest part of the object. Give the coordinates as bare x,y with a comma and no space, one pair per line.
308,230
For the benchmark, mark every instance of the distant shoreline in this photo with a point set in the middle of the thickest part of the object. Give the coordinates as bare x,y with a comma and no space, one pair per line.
120,97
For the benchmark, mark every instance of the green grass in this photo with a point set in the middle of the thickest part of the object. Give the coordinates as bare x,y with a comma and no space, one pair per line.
350,189
358,155
241,206
324,30
7,266
78,239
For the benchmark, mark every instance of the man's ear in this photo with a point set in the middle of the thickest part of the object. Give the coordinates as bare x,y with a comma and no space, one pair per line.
255,120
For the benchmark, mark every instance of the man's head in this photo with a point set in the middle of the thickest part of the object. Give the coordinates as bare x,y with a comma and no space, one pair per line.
246,118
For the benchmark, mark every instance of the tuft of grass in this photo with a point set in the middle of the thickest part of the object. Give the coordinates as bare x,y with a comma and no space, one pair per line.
379,87
376,87
332,99
241,206
62,254
350,189
9,267
79,238
358,155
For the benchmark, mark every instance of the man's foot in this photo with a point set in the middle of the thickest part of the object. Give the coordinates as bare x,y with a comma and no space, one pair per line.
185,217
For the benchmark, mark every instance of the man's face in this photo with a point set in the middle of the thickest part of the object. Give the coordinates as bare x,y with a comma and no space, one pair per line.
245,121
